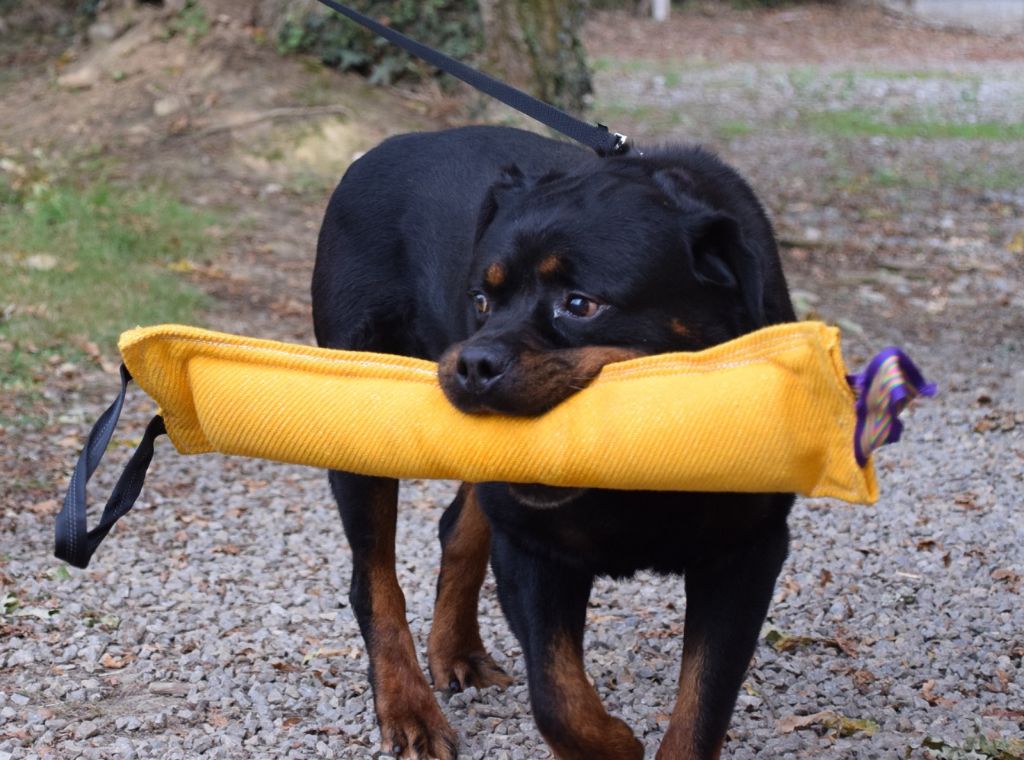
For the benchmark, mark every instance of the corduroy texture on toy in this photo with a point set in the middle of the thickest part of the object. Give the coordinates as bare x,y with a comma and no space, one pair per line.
768,412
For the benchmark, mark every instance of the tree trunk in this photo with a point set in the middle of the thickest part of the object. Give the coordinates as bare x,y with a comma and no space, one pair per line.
535,45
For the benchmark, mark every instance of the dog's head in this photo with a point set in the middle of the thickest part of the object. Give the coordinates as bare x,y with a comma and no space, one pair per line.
573,272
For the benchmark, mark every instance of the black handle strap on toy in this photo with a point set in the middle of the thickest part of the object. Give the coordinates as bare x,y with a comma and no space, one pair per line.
595,136
74,542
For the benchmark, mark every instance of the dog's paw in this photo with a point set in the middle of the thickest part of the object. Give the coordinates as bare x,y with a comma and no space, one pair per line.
458,672
423,736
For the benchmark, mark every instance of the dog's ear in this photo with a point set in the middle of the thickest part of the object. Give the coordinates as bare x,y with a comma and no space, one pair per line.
511,180
720,256
723,259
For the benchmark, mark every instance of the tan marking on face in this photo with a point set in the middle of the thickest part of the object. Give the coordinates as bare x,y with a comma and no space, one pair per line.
590,360
495,275
536,381
544,379
549,266
680,329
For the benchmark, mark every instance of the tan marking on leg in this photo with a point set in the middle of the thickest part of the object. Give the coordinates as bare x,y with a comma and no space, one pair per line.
580,727
410,719
455,652
680,742
495,275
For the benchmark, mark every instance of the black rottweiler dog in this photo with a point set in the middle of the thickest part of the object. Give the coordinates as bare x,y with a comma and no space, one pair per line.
523,265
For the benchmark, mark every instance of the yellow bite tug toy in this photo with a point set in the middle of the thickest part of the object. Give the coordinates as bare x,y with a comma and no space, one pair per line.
772,411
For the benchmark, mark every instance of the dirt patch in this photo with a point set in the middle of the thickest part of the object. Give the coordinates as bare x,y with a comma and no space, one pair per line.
212,111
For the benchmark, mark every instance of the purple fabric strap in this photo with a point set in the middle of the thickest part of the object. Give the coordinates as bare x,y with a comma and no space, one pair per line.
890,382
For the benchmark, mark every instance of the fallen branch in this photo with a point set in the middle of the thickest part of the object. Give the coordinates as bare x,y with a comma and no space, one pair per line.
251,119
788,242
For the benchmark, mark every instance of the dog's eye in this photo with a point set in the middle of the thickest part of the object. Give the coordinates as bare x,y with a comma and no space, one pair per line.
580,306
480,302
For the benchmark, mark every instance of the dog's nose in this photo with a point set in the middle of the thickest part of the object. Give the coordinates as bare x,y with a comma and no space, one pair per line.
480,367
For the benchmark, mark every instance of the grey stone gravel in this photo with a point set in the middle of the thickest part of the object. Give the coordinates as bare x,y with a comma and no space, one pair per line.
214,622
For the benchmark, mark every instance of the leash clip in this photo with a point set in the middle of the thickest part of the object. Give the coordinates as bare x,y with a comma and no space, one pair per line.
622,144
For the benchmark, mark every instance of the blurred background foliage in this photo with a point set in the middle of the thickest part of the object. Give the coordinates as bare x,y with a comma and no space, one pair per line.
533,43
451,26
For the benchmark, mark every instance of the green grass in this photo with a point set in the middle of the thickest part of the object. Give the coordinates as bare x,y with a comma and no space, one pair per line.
84,261
191,21
917,74
989,175
977,747
801,78
730,129
319,88
917,177
885,176
672,69
654,117
862,123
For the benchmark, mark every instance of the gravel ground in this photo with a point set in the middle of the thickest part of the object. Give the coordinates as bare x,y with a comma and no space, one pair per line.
214,622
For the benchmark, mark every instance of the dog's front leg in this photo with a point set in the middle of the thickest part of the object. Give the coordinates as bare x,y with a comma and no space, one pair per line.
546,604
727,598
455,652
411,723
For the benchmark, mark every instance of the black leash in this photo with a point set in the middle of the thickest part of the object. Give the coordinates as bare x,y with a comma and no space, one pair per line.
595,136
75,543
